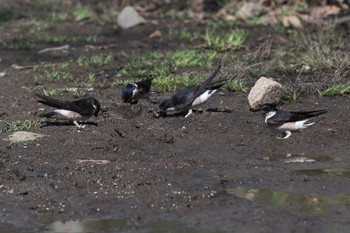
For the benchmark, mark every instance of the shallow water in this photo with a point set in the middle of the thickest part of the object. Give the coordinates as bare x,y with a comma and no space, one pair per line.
305,203
303,158
109,225
342,172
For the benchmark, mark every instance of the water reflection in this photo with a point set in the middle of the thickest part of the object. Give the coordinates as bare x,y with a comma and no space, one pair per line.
305,203
302,158
110,225
345,172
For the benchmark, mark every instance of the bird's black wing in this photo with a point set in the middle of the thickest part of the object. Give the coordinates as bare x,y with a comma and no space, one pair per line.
187,96
282,117
182,98
144,86
299,116
80,106
52,102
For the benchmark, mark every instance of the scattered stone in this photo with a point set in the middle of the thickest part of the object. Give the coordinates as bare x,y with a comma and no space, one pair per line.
94,161
63,49
2,74
23,136
129,17
265,90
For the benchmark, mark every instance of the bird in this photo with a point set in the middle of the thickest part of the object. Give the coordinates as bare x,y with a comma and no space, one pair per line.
185,99
208,92
133,92
286,121
73,111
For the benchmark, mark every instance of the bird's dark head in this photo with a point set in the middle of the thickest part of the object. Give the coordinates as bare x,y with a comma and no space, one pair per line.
95,104
128,92
166,104
264,107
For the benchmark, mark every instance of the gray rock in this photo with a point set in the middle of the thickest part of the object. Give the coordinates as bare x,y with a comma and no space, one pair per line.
129,17
23,136
265,90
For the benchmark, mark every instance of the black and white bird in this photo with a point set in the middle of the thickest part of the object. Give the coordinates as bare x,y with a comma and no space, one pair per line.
185,99
133,92
73,111
285,121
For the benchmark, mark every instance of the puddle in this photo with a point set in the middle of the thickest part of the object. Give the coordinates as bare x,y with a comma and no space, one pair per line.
110,225
304,203
345,172
302,158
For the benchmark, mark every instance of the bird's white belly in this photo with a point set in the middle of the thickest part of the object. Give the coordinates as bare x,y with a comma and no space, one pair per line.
203,97
69,114
294,126
172,109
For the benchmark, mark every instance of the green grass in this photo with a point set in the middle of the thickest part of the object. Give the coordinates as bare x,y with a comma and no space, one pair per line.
236,85
49,92
184,34
20,125
335,90
59,16
82,12
95,61
191,58
14,104
30,42
222,41
166,63
175,81
51,75
171,82
8,14
290,94
90,78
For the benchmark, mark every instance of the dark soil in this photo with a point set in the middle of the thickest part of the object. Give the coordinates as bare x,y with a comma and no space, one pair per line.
133,165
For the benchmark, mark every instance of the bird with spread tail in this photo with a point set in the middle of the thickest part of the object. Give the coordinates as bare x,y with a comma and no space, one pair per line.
73,111
285,121
184,100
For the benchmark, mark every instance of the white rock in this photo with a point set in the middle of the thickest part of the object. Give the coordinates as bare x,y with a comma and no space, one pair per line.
23,136
265,90
129,17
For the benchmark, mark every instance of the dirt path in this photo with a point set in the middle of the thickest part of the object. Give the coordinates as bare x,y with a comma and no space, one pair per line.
220,170
208,171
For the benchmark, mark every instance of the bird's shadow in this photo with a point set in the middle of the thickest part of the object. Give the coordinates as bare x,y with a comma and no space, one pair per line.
56,123
166,115
219,110
183,114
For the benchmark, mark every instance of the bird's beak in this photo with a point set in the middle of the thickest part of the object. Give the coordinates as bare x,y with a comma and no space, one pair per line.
158,112
257,108
254,109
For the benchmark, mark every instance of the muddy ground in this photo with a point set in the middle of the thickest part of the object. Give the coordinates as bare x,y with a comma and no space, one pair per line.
220,170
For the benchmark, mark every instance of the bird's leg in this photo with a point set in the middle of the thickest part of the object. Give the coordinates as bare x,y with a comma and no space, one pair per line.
189,113
149,103
286,135
79,126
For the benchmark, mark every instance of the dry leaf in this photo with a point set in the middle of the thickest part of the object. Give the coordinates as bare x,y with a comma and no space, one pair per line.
156,33
324,11
291,20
